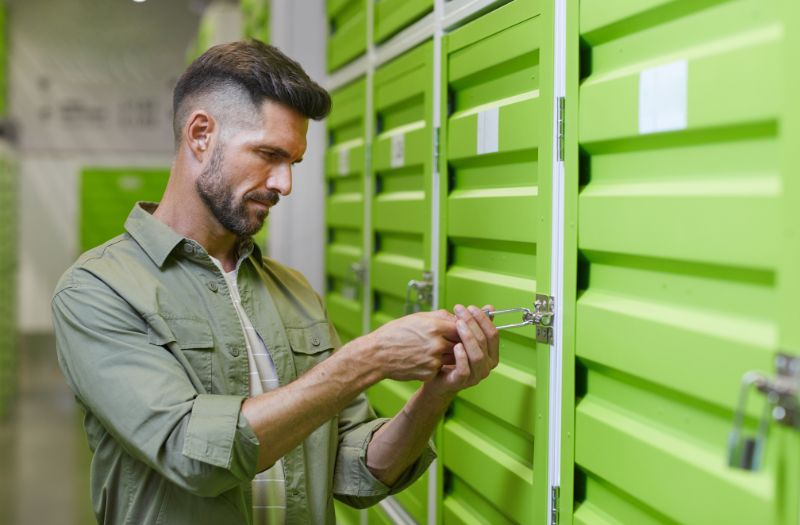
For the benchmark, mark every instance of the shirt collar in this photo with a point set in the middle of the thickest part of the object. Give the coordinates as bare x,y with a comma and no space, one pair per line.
159,240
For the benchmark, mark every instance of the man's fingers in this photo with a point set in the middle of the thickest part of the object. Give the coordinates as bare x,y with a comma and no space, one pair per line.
462,361
489,328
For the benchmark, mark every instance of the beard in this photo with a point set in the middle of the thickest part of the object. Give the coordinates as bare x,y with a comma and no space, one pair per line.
222,203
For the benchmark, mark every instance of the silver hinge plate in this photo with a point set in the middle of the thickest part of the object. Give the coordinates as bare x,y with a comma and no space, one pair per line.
436,146
562,106
555,502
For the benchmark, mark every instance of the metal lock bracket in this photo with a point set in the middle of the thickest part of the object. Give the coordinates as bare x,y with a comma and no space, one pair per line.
542,316
781,405
424,293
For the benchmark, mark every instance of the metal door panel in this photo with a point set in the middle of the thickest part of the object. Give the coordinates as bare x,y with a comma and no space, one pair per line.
344,210
402,158
491,199
347,31
677,281
392,16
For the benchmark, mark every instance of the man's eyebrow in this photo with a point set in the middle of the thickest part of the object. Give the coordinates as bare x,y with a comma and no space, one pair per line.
278,151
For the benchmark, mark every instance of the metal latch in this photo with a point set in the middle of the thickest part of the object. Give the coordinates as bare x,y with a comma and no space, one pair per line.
419,293
555,502
541,316
356,272
745,452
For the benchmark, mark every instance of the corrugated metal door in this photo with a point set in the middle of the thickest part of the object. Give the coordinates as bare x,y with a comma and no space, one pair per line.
344,210
678,278
492,253
402,159
392,16
347,31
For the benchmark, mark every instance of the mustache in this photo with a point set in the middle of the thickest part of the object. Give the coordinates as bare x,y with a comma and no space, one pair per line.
269,198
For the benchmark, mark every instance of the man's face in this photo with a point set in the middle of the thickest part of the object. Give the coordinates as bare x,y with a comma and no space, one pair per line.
248,173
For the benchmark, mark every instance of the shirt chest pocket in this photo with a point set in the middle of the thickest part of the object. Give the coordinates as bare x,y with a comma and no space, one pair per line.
310,345
190,340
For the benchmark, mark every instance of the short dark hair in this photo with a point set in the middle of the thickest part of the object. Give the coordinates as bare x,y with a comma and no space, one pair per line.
261,70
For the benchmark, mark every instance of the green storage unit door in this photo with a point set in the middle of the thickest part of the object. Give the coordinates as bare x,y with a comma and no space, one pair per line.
344,210
392,16
402,159
679,212
107,196
347,31
493,254
255,19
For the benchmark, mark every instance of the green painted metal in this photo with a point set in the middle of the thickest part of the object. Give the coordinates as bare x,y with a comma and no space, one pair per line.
402,159
107,196
346,515
344,211
391,16
495,249
347,31
680,280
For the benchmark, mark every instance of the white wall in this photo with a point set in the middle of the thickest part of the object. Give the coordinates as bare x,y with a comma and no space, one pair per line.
90,83
297,228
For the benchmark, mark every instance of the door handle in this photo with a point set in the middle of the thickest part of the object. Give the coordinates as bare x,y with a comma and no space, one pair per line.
782,405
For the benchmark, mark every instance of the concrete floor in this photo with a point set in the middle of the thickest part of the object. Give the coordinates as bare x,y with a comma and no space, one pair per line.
43,452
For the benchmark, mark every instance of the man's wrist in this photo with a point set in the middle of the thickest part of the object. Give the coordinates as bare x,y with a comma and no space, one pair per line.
435,393
362,353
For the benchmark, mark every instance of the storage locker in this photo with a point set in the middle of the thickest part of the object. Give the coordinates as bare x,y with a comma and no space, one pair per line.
344,209
680,290
391,16
255,19
347,31
107,196
402,159
495,246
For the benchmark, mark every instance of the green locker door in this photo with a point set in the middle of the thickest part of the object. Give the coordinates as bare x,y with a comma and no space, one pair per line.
107,196
402,159
344,211
679,282
347,31
391,16
496,249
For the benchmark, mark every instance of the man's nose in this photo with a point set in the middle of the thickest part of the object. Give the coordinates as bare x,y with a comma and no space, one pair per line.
280,180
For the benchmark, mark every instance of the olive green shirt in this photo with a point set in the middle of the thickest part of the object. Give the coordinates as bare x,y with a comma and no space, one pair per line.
151,345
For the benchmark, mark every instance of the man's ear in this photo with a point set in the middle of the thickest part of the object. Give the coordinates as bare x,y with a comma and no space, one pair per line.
199,133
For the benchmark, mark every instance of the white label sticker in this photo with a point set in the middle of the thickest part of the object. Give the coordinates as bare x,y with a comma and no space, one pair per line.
662,97
344,161
489,131
398,150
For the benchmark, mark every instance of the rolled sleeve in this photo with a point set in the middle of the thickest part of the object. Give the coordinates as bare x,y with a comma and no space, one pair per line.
354,483
218,434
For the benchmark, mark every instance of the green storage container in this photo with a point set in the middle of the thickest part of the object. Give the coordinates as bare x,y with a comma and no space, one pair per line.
255,19
344,209
391,16
494,251
107,196
347,31
684,278
402,159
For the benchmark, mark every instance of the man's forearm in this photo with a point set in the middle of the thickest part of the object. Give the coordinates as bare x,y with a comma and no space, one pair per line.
283,418
398,443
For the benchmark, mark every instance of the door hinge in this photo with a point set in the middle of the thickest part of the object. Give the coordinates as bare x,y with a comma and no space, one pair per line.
555,502
436,147
562,105
542,316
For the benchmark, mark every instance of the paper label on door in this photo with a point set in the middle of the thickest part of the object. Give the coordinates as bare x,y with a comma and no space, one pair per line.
344,161
398,159
662,97
489,131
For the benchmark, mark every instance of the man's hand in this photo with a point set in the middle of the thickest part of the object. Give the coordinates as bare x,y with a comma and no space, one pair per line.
475,356
415,346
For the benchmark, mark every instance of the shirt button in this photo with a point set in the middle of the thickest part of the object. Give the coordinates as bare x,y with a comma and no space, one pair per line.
212,285
315,341
235,351
188,248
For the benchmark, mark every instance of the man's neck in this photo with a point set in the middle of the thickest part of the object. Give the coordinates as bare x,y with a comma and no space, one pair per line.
190,218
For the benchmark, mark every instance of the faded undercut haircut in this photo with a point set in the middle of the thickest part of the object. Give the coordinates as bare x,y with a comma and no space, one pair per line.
234,79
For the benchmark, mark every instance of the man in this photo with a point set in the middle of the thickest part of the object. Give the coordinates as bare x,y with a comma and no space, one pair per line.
201,365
